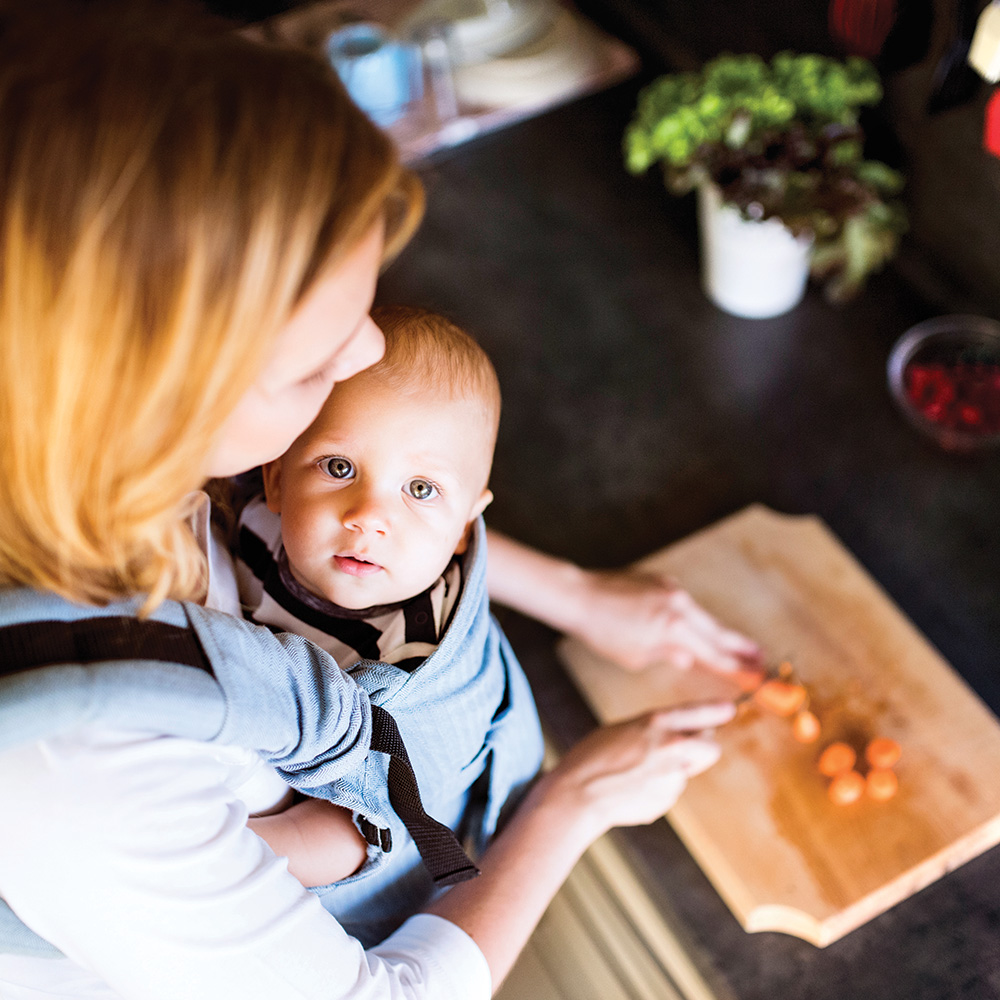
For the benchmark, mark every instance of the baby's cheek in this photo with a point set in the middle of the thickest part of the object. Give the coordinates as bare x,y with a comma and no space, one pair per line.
303,531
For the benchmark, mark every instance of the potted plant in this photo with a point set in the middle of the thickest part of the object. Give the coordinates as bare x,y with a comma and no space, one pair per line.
776,153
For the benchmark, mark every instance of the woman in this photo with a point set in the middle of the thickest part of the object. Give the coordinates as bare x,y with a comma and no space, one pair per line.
192,228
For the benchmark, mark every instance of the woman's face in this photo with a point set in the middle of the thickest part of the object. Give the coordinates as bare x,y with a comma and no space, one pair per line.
329,338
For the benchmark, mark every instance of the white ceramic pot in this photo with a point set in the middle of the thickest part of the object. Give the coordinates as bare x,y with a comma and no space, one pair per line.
749,269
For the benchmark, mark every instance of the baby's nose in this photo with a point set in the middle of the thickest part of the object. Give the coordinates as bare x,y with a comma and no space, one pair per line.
366,514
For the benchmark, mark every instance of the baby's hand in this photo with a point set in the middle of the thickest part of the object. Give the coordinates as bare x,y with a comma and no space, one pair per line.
637,619
319,839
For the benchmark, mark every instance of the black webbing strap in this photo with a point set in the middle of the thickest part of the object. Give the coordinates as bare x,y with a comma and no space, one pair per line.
92,640
29,645
439,847
376,836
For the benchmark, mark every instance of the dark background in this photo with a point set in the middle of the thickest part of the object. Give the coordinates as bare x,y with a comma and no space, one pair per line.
953,184
635,413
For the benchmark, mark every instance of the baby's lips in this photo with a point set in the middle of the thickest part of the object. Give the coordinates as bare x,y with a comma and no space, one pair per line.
356,566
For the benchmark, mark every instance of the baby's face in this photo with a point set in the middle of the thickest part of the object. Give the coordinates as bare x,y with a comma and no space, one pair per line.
377,495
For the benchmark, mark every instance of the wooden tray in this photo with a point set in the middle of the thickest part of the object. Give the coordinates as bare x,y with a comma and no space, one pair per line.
759,823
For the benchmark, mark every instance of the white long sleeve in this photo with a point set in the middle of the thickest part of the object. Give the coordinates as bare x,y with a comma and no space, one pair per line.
131,854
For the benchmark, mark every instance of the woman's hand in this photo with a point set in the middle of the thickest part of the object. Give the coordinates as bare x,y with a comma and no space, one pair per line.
633,772
632,618
619,775
636,619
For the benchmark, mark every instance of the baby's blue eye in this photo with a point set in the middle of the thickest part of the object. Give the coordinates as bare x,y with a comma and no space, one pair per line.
337,468
420,489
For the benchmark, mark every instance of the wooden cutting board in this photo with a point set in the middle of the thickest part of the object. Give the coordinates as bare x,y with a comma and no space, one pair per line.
759,823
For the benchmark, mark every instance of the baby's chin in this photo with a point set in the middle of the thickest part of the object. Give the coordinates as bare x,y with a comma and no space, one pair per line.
358,592
350,592
354,603
357,598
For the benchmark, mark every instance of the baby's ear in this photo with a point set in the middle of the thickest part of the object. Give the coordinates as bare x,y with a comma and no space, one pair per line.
480,505
272,485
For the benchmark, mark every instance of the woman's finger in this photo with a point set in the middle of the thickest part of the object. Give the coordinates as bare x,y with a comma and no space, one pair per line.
683,635
737,643
690,755
679,657
696,718
685,648
692,635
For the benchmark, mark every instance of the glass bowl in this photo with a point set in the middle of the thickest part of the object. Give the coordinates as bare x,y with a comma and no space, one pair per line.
944,374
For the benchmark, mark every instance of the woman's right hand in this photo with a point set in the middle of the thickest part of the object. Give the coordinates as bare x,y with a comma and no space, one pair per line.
634,771
619,775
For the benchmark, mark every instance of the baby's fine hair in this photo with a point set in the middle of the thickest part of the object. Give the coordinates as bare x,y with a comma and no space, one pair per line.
423,348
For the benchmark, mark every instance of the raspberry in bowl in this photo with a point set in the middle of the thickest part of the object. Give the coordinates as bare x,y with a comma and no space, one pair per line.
944,375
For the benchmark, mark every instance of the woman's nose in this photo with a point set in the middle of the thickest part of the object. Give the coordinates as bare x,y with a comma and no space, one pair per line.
365,348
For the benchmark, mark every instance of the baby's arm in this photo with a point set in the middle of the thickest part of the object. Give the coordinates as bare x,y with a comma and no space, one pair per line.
319,839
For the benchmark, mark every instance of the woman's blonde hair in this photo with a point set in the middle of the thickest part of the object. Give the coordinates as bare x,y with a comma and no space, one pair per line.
169,191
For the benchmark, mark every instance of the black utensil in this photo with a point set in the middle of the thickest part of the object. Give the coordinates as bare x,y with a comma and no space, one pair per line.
909,39
955,82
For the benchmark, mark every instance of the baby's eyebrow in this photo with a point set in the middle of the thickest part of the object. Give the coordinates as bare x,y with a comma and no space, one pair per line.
440,474
324,449
325,439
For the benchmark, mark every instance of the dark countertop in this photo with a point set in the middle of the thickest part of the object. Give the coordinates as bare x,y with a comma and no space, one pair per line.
635,413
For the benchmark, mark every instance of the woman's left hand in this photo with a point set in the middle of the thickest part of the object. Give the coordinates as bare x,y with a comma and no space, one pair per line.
633,618
637,618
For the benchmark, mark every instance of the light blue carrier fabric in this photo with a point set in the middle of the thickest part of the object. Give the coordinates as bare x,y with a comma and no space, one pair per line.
466,715
468,719
278,695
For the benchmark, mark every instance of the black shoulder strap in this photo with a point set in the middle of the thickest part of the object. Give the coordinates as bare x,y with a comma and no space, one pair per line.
438,845
29,645
91,640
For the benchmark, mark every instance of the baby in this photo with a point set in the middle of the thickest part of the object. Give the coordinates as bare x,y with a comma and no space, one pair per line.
369,542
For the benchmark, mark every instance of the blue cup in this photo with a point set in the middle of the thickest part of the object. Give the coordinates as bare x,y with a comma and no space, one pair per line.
382,75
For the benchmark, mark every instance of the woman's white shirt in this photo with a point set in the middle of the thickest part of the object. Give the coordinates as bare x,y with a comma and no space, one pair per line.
131,854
